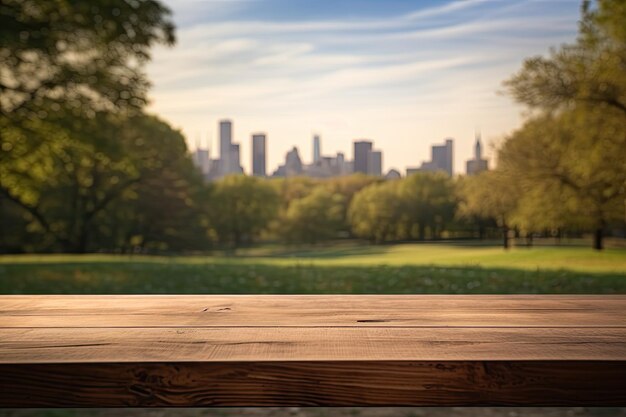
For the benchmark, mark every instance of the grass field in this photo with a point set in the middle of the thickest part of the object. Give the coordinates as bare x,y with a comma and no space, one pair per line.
348,268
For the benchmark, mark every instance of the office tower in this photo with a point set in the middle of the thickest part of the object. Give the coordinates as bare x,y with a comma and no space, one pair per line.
293,163
317,149
478,164
362,149
258,154
202,160
341,163
441,158
375,163
234,161
226,137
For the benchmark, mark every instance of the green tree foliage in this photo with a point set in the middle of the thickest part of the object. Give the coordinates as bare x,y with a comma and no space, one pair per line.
489,195
316,217
571,165
241,207
85,166
429,203
293,190
84,54
591,71
374,212
404,209
574,147
81,166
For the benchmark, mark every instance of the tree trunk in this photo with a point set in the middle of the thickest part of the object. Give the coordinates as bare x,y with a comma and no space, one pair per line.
529,240
422,231
505,237
598,236
481,232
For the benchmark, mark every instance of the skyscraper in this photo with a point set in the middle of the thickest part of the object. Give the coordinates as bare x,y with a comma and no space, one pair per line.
234,161
375,163
293,163
362,149
226,137
258,154
202,160
441,158
317,149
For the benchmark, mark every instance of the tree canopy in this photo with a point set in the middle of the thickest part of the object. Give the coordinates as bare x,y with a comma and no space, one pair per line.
574,144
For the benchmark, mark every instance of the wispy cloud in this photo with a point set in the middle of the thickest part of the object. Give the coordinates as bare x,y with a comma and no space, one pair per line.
441,65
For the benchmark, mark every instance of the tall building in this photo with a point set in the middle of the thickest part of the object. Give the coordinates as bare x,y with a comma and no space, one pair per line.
292,166
229,152
362,149
226,138
202,161
317,149
235,165
478,164
259,154
441,158
341,163
293,163
375,163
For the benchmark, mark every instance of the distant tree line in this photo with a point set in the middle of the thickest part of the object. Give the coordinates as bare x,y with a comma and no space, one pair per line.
84,168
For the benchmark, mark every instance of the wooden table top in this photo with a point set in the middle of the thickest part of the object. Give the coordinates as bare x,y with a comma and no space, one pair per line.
197,350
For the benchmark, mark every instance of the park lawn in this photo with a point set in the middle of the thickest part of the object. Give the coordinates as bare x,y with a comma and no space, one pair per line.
346,268
572,258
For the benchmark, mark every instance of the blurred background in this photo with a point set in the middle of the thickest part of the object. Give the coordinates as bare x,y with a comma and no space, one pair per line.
290,147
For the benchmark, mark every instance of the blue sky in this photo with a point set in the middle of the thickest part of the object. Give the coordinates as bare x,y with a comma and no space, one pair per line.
405,74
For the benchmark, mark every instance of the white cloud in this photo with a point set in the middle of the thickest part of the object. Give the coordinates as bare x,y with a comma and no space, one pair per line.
423,75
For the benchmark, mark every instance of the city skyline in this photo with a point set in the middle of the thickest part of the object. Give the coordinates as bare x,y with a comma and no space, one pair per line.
365,158
404,73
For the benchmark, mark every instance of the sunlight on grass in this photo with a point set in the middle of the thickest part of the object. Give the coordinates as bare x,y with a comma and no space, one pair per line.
579,259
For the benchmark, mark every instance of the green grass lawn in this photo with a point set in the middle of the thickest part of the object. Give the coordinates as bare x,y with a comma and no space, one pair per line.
347,268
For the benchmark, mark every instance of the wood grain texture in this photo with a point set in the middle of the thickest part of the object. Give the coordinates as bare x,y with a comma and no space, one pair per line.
249,384
222,344
312,310
68,351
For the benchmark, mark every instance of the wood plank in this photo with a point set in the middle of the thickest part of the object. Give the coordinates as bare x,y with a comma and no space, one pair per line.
313,344
250,384
312,350
362,311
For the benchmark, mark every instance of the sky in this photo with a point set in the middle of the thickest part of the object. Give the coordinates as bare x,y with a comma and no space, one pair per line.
404,74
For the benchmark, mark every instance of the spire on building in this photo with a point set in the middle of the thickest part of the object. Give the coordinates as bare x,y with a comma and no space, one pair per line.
478,148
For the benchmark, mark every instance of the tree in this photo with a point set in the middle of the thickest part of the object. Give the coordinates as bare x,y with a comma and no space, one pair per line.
575,145
316,217
166,208
428,202
83,166
347,186
575,158
71,81
490,194
241,208
588,72
85,54
374,212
